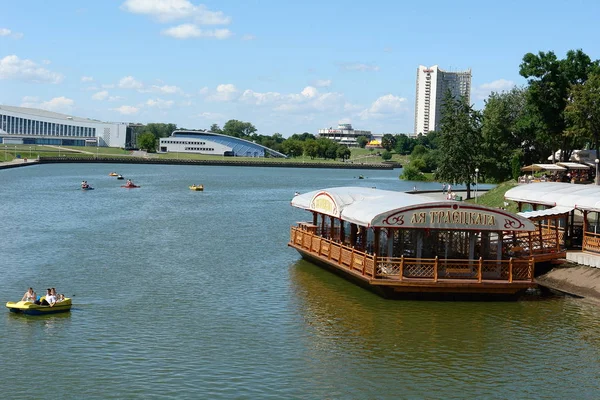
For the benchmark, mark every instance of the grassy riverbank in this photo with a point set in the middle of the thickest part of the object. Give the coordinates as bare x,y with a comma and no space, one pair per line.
495,197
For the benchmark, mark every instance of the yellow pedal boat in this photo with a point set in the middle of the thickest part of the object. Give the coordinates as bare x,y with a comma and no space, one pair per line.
113,174
29,308
197,187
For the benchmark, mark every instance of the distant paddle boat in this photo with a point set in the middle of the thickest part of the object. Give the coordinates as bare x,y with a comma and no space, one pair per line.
113,174
120,177
29,308
197,188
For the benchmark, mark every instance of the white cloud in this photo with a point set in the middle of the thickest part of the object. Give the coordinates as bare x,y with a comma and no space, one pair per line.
483,91
188,31
126,110
204,91
12,67
57,104
224,92
209,115
171,10
166,89
345,121
248,37
384,106
308,100
322,83
8,32
87,79
129,82
100,95
108,85
358,67
160,103
115,98
46,62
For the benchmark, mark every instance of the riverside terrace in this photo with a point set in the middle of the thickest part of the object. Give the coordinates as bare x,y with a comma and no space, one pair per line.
399,244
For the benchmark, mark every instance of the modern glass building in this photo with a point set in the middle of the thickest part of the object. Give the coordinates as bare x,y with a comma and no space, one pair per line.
20,125
202,142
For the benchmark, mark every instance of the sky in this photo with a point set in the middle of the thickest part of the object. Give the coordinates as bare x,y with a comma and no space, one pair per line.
285,66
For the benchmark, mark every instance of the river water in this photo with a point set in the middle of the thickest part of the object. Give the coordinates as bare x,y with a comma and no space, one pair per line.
181,294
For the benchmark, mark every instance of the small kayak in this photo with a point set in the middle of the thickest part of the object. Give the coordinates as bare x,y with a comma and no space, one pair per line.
130,186
113,174
29,308
197,188
87,188
120,177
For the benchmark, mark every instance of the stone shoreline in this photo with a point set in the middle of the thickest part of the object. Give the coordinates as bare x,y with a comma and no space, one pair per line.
573,279
224,162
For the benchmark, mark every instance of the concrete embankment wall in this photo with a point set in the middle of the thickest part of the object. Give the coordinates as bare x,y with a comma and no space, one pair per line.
226,162
578,280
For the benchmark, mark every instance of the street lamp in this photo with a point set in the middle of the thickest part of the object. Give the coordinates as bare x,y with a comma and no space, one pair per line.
5,148
597,180
30,152
476,176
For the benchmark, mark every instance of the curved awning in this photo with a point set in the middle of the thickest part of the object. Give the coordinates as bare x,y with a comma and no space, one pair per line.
543,167
582,197
388,209
548,212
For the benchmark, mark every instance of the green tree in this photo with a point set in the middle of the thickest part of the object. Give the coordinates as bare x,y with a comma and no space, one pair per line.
386,155
388,141
549,81
404,144
158,130
362,141
147,141
238,129
504,132
343,152
584,109
460,141
303,137
215,128
410,173
292,147
311,148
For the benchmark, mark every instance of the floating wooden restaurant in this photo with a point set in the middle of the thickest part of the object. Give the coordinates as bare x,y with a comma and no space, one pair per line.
398,243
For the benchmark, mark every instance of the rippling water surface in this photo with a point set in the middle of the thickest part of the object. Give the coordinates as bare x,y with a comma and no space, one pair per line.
181,294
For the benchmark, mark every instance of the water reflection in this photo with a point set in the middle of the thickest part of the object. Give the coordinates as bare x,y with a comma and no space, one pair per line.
441,344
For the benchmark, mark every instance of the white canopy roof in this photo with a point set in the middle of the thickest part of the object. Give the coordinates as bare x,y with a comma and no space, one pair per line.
383,208
583,197
558,210
541,167
573,165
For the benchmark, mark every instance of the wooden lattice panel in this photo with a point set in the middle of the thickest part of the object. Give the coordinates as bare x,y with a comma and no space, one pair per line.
591,243
306,241
418,270
521,271
494,270
458,270
325,248
388,268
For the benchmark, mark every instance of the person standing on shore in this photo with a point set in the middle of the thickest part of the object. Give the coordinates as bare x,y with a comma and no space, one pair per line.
443,188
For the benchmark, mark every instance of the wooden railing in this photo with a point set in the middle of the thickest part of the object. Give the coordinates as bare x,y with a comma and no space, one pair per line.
591,242
402,268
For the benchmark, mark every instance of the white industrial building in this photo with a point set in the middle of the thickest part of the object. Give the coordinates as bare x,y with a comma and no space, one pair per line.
432,85
20,125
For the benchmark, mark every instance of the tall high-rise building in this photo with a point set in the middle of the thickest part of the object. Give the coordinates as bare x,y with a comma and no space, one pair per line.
432,85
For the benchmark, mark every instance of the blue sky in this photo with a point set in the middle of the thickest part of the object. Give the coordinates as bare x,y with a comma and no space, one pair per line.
284,66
